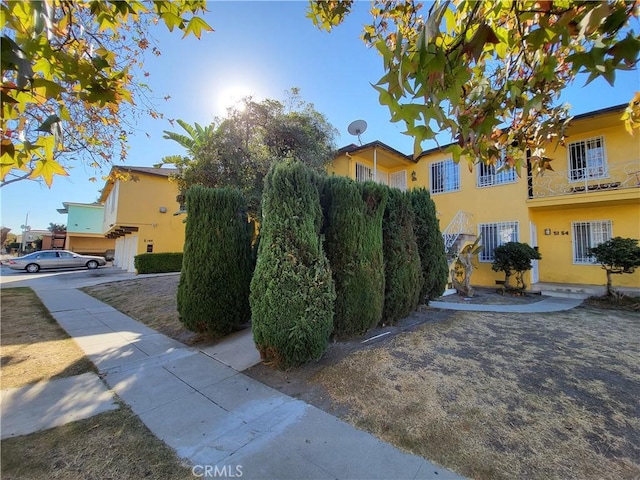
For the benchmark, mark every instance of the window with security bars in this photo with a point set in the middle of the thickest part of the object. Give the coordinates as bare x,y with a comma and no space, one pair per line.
445,176
587,235
495,174
398,180
496,234
587,159
363,173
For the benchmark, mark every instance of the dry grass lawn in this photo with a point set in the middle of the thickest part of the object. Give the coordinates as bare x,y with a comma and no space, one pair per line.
501,396
151,301
112,445
491,396
33,346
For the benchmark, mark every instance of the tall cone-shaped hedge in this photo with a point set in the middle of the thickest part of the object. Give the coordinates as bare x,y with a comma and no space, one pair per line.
433,258
213,293
292,292
403,273
353,241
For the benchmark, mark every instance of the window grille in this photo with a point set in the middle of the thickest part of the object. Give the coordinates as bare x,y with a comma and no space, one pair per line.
587,159
587,235
363,173
496,234
445,176
399,180
382,177
492,175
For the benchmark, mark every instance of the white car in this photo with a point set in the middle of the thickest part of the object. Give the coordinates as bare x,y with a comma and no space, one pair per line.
44,259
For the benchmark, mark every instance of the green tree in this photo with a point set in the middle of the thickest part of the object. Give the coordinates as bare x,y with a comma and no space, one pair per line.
490,73
4,233
213,292
433,258
292,292
353,241
57,228
514,258
402,272
242,146
617,256
72,79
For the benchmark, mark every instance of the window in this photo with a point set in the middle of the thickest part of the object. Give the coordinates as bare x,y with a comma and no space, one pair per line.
149,247
445,176
587,235
399,180
363,173
496,234
587,159
492,175
382,177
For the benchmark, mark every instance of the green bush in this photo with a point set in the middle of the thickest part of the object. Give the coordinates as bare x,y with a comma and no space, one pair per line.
514,258
353,241
617,256
433,258
213,293
403,273
158,262
292,292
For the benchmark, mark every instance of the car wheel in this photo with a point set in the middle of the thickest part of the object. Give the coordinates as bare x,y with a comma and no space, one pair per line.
32,268
92,264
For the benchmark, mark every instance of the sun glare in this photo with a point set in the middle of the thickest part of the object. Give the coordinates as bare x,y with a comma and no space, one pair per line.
232,97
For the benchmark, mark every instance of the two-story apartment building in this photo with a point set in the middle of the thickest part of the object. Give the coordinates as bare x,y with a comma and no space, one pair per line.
139,213
592,195
84,228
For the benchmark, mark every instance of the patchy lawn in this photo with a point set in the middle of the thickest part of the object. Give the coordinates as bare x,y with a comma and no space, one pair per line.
112,445
495,396
151,301
491,396
33,346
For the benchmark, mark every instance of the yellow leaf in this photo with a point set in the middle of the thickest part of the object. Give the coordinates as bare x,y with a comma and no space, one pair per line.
47,169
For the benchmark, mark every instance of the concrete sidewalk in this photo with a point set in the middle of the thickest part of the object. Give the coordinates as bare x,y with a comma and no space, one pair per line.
215,416
553,304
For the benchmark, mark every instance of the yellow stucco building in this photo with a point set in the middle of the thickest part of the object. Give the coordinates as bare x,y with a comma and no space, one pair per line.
592,195
139,208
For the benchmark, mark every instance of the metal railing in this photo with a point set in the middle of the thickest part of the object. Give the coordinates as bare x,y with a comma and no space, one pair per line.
459,225
617,176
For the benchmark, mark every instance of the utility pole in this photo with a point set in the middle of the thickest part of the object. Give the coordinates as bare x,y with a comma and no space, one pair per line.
25,229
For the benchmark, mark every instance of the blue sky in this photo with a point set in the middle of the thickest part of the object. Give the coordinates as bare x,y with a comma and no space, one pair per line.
262,49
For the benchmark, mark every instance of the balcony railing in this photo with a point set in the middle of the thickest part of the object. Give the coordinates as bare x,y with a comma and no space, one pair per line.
618,176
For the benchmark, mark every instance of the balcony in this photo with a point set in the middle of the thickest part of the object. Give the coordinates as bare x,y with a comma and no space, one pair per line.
586,185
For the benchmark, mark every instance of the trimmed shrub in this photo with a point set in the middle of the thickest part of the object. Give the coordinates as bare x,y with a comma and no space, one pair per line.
433,258
353,241
617,256
403,273
158,262
514,258
292,292
213,293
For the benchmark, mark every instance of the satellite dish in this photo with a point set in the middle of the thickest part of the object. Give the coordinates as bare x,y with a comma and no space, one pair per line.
357,128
